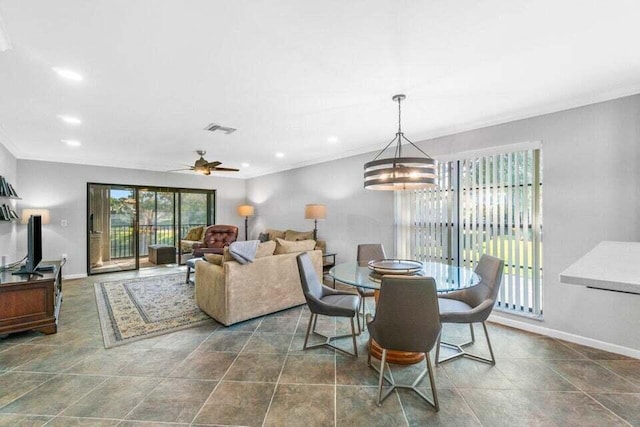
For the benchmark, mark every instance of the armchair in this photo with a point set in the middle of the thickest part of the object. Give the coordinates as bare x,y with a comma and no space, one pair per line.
216,237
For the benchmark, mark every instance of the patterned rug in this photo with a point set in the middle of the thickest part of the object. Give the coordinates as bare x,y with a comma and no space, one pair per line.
134,309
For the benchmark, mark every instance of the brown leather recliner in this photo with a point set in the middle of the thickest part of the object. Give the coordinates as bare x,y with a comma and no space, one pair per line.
216,237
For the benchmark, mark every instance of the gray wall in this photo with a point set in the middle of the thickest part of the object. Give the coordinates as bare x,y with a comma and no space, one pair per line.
591,193
62,188
353,214
8,168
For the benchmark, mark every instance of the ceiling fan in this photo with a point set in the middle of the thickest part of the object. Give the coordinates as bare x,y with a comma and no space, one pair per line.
204,167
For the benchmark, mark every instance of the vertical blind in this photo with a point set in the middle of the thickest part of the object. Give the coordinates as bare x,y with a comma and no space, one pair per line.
489,204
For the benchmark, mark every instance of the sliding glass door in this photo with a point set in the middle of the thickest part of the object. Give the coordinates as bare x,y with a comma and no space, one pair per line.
111,228
125,224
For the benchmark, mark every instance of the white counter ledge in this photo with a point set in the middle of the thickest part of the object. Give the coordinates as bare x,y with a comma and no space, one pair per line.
613,266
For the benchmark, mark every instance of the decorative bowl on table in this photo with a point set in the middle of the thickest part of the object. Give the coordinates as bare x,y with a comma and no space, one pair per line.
395,266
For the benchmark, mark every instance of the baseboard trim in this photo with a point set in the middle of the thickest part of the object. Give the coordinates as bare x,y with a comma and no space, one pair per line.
74,276
566,336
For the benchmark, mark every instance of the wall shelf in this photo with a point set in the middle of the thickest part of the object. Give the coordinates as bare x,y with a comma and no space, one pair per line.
7,192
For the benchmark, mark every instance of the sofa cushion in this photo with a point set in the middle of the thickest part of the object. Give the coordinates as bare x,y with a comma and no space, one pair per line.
214,258
275,234
266,249
293,235
288,247
194,233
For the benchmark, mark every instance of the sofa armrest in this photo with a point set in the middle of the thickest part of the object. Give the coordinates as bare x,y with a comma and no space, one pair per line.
321,245
210,289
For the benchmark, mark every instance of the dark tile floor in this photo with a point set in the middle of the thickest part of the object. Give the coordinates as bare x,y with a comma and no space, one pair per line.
255,373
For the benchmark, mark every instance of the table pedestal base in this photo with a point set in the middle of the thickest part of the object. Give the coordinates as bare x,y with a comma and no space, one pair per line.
393,356
397,357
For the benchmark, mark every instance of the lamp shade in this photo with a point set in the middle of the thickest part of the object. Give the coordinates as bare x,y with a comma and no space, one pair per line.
245,210
315,211
26,214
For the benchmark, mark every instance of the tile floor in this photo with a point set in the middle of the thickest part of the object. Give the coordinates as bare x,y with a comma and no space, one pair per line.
254,373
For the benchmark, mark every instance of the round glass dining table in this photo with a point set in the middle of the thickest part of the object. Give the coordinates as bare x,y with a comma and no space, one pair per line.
448,277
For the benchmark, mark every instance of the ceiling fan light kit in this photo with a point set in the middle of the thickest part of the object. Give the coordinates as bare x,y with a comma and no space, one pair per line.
398,172
204,167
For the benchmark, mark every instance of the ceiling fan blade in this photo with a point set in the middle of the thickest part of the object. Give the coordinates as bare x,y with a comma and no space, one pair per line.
176,170
213,164
225,170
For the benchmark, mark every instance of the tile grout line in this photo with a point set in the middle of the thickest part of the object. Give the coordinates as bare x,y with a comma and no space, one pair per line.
587,393
284,363
79,399
225,372
607,409
168,376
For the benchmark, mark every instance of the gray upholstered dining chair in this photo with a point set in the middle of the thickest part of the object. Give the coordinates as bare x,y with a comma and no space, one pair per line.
323,300
407,319
368,252
472,305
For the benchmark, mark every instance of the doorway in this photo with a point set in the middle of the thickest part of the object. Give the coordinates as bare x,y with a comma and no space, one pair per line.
126,222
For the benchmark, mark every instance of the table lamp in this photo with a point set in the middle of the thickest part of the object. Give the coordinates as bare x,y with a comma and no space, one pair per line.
44,213
246,211
315,212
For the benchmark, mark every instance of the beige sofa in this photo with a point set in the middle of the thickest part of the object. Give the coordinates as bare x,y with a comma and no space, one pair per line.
231,292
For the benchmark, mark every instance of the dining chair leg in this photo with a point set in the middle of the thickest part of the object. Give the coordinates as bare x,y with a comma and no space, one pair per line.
432,381
460,352
486,334
359,327
315,323
353,336
369,352
306,337
473,335
382,363
363,302
438,349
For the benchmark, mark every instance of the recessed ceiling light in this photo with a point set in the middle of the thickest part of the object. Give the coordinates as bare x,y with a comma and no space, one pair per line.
332,140
68,74
279,155
245,165
72,142
70,120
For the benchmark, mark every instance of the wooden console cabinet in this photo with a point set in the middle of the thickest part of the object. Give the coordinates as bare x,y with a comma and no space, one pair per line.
31,302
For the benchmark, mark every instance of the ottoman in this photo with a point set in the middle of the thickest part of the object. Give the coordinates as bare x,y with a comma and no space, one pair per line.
162,254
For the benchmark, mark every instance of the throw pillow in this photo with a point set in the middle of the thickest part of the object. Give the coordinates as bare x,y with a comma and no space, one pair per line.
293,235
265,249
275,234
194,234
214,258
288,247
263,237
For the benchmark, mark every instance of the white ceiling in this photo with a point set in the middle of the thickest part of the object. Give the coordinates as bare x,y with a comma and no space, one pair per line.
290,74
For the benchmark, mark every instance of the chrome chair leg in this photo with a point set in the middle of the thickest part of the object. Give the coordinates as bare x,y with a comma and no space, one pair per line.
414,386
311,328
462,353
382,362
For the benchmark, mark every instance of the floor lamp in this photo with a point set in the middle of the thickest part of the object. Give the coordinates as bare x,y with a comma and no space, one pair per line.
246,211
315,212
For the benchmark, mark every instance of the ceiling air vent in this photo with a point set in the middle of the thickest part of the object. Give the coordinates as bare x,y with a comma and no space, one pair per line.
215,128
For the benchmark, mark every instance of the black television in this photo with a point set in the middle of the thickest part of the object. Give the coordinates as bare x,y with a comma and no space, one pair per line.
34,245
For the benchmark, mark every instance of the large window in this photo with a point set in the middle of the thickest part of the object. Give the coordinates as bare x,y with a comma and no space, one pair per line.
489,204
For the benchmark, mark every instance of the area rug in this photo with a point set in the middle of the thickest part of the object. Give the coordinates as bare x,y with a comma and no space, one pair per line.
134,309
